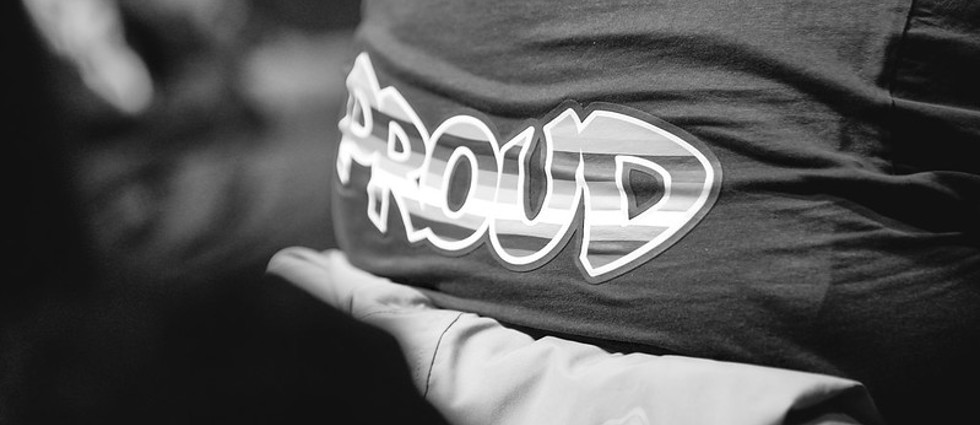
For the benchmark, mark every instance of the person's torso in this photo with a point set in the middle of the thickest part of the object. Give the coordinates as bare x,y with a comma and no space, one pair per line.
784,183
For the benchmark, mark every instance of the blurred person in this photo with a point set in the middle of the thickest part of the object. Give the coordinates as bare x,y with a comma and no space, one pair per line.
86,339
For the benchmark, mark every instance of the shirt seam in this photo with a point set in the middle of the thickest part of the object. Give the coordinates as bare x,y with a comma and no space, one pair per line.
899,52
435,352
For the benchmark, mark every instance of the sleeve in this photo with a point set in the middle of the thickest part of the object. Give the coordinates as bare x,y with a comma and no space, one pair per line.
476,371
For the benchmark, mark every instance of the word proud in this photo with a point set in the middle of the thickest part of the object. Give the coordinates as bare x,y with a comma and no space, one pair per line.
626,186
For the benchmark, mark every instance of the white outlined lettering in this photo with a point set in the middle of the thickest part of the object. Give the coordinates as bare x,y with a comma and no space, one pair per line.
588,158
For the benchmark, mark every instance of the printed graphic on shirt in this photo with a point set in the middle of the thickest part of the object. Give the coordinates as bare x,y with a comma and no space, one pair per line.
625,182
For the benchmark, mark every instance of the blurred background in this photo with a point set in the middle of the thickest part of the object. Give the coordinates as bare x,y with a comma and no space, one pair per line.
160,151
199,132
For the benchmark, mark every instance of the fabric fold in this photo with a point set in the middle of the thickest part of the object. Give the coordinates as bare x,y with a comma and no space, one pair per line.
476,371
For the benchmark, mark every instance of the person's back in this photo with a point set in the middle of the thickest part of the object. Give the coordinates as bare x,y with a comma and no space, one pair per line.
779,183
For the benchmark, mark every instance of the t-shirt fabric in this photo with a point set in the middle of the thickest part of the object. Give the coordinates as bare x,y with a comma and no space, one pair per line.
784,183
475,371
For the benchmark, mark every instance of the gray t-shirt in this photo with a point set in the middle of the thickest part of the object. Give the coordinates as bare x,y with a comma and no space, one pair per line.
770,182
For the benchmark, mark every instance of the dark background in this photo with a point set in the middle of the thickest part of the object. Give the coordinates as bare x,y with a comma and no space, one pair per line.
137,244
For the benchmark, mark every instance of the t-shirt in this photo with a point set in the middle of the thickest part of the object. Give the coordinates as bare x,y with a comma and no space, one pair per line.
787,183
